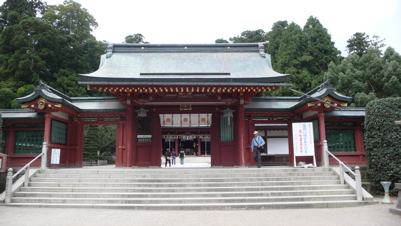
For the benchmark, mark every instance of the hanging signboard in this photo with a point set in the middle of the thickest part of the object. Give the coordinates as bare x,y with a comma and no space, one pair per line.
55,156
304,145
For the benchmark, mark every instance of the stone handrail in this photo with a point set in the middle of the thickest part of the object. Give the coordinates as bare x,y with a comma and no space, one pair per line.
11,177
357,174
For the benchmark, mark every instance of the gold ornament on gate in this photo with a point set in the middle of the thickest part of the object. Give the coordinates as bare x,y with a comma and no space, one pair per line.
41,104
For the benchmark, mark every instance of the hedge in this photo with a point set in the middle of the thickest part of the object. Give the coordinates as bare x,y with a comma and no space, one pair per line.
383,142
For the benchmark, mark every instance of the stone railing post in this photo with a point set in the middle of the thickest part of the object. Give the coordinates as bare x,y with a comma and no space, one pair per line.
9,186
358,183
325,154
27,176
44,156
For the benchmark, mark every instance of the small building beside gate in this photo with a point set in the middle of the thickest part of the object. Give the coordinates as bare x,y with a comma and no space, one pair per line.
203,98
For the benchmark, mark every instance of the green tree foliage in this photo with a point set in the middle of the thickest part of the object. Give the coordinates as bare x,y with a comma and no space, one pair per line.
274,37
6,97
367,77
136,38
250,36
49,43
221,40
383,141
303,53
102,139
78,50
91,147
358,44
320,48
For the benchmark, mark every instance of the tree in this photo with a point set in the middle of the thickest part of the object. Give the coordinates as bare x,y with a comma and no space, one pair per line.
14,11
135,38
249,37
6,96
221,40
376,43
91,147
320,48
275,37
368,77
358,44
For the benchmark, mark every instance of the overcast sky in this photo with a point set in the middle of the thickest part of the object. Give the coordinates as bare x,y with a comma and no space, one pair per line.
186,21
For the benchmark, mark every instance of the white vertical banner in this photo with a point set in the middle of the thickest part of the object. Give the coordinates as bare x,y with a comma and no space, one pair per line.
302,134
55,156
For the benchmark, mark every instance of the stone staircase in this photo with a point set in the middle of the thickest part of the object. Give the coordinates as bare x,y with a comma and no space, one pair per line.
187,189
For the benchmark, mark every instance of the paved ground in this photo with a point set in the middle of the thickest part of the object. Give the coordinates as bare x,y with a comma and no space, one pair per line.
189,161
377,214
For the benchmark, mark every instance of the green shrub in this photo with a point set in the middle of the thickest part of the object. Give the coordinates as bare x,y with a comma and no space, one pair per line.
383,142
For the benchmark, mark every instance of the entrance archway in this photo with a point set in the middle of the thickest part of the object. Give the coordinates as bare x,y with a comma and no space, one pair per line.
186,132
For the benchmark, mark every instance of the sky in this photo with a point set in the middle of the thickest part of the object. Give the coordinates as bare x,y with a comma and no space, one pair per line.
193,22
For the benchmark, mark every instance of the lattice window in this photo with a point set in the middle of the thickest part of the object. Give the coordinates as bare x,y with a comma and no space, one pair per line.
3,142
59,132
145,129
341,140
226,128
28,142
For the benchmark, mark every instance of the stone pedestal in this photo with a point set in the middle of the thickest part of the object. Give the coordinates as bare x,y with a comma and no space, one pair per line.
397,210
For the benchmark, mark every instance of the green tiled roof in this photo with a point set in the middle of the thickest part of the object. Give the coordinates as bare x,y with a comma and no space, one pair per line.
195,64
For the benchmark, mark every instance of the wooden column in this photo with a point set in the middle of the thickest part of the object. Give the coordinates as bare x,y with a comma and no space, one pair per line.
48,124
322,127
177,149
119,144
241,135
199,146
290,144
129,135
156,140
47,133
215,141
80,144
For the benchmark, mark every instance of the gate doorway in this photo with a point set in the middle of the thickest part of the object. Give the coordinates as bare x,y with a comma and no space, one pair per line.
99,147
189,133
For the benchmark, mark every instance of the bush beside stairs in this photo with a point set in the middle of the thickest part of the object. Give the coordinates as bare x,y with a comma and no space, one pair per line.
187,189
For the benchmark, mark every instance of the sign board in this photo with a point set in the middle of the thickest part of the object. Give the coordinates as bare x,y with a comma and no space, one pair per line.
55,156
302,134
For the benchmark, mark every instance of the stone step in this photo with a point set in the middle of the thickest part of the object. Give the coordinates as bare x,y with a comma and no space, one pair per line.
133,175
183,184
207,206
167,171
185,189
178,189
206,194
178,200
187,180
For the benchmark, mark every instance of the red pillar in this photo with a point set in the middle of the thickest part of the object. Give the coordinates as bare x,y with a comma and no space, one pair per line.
129,124
80,144
290,145
322,127
156,140
215,140
241,135
322,132
119,145
199,146
177,149
47,133
48,124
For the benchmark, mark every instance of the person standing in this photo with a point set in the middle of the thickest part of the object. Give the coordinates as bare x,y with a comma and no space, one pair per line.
173,156
182,156
257,142
168,158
